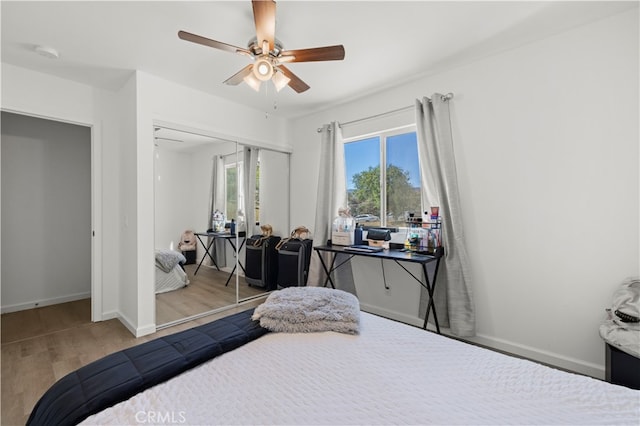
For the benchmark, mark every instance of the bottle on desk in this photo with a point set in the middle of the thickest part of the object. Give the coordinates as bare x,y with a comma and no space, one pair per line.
357,236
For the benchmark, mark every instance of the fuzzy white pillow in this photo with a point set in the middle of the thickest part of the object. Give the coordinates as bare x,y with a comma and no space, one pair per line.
309,309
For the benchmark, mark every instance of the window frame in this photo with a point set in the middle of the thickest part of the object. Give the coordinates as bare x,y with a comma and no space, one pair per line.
383,135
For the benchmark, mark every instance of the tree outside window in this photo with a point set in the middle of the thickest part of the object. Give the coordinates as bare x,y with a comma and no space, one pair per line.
383,196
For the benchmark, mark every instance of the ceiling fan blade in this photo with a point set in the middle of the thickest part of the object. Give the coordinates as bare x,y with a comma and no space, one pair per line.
211,43
238,77
295,83
264,16
327,53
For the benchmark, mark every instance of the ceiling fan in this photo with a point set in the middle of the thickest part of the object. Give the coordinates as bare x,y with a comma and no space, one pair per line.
268,53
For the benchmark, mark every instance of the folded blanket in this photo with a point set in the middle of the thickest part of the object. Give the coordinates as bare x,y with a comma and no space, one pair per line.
168,259
309,309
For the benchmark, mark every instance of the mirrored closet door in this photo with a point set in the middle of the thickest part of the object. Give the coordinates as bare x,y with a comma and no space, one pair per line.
201,184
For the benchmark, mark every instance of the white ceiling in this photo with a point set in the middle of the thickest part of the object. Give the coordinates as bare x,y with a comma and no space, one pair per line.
386,43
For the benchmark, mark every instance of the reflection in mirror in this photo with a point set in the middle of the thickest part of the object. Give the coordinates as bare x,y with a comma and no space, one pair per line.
198,179
265,175
191,183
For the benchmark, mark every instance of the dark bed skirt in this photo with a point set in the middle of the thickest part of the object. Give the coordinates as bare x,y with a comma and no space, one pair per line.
121,375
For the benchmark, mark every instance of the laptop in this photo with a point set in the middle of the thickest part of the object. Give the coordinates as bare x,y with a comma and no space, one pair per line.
363,248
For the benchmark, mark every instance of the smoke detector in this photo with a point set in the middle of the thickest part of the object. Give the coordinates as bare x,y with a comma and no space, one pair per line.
47,52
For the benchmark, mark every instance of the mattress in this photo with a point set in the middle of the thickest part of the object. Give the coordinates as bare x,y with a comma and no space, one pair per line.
390,373
172,280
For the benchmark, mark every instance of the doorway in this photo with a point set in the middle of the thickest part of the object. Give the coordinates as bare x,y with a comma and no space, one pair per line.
46,212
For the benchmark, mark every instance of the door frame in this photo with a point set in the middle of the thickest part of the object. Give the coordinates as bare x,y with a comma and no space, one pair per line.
96,206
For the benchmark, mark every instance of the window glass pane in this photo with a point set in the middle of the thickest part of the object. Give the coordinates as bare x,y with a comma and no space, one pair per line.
362,163
232,192
403,178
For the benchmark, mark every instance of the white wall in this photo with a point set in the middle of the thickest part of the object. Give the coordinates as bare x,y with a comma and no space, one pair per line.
46,212
173,197
108,206
41,95
274,191
546,140
133,262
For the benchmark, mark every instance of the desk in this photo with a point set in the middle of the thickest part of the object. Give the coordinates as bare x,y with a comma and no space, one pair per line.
397,256
220,235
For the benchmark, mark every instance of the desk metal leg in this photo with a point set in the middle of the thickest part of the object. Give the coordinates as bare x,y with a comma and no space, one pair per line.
235,265
244,240
206,253
430,290
327,270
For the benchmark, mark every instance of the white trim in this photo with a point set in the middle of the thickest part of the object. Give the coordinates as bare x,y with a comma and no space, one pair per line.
136,331
550,358
127,323
96,212
96,224
45,302
198,130
110,315
394,315
528,352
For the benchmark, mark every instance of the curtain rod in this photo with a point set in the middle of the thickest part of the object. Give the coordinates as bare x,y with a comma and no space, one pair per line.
225,155
382,114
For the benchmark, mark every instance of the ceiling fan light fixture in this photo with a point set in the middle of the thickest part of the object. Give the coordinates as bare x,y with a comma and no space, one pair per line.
263,69
280,80
252,81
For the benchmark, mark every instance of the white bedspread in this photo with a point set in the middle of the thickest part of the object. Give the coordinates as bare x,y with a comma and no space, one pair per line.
169,281
389,374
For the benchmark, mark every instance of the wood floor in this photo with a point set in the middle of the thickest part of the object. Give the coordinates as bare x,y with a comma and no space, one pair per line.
40,346
205,292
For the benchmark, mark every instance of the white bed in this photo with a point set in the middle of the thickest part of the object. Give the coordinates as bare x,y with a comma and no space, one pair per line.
169,274
172,280
390,373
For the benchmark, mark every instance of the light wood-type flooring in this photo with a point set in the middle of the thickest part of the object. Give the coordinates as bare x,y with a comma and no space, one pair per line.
206,292
40,346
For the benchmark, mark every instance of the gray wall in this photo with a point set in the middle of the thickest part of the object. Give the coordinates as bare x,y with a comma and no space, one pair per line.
46,212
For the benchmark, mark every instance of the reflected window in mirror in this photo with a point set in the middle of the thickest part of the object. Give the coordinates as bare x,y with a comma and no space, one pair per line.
232,188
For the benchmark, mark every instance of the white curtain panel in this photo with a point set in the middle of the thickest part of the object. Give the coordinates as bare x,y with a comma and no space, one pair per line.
216,202
332,194
439,182
250,164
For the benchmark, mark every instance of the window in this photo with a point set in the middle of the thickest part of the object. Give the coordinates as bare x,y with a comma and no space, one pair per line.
383,177
235,189
231,176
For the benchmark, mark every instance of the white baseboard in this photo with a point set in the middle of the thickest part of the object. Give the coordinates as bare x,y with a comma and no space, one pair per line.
106,316
398,316
539,355
136,331
145,329
534,354
127,323
45,302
